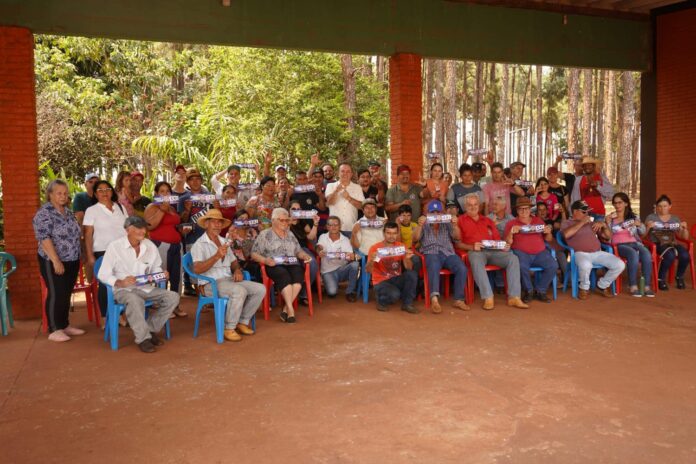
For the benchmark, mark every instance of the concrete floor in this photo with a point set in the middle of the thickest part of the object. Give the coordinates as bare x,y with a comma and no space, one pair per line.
609,381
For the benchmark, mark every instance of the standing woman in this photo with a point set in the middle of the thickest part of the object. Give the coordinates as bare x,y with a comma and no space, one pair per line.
123,192
103,223
626,230
261,206
162,221
665,238
436,187
58,234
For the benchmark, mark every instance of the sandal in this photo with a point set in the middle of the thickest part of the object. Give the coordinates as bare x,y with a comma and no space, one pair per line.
284,316
179,313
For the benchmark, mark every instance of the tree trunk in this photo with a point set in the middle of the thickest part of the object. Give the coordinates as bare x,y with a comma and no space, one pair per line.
635,161
626,140
465,110
609,124
491,110
439,106
511,120
599,125
586,111
522,108
428,105
478,109
573,91
451,155
350,106
502,121
539,123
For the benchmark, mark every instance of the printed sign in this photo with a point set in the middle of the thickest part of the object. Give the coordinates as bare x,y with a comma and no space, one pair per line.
146,279
185,226
627,225
571,156
248,186
285,260
390,252
247,223
438,218
525,184
171,199
433,155
666,226
198,215
532,229
304,188
478,151
250,166
494,244
207,198
337,255
228,203
371,223
302,214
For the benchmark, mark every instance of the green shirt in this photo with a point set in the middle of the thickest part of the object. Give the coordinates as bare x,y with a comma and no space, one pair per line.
81,202
396,195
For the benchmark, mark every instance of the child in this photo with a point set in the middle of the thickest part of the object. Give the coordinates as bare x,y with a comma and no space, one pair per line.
406,226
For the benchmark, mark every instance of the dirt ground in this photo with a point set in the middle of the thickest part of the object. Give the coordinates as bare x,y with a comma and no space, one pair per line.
609,381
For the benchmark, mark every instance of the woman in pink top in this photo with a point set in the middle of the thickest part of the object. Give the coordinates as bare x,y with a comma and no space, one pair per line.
626,230
436,187
551,200
122,188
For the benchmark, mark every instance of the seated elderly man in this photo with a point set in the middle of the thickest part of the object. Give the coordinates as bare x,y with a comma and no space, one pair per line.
436,239
580,233
526,235
393,276
338,262
278,249
214,257
125,266
367,230
480,238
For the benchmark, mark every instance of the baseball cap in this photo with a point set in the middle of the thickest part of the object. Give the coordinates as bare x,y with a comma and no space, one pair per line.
317,171
135,221
91,175
451,204
179,167
435,206
402,168
193,172
369,201
580,204
477,166
518,163
279,167
374,163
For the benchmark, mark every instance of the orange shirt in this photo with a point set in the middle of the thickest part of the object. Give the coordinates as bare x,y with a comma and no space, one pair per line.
432,185
385,268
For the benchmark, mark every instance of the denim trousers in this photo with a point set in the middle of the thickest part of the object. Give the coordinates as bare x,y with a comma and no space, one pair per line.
401,287
677,252
636,253
543,260
435,262
348,271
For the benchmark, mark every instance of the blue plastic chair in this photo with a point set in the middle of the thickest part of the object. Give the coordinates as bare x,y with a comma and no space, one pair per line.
5,304
571,271
538,270
365,277
219,302
114,310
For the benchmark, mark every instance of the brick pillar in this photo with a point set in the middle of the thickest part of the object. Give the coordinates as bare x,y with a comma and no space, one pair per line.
19,165
405,110
676,107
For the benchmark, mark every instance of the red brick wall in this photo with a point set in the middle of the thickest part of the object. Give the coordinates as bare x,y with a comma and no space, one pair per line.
405,107
676,110
19,165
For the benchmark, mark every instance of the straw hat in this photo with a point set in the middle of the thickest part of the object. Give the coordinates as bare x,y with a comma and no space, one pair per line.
213,214
590,160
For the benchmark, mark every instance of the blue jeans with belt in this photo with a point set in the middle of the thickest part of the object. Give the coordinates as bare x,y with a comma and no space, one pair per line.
435,262
636,253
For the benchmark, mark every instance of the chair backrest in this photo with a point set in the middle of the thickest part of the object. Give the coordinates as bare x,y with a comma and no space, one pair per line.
5,259
561,241
187,263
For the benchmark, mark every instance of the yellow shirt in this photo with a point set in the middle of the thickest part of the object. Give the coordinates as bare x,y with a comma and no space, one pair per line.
407,233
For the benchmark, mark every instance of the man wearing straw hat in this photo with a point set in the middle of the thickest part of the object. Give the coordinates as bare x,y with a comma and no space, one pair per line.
593,187
213,257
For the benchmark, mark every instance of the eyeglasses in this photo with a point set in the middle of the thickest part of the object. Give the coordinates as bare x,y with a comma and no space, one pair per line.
104,190
333,224
583,211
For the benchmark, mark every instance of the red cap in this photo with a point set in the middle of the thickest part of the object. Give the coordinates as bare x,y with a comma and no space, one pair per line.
402,168
179,166
137,174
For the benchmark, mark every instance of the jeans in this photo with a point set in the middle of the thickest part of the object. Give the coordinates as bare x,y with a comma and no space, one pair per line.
348,271
635,253
681,254
503,259
543,260
400,287
434,263
313,267
585,261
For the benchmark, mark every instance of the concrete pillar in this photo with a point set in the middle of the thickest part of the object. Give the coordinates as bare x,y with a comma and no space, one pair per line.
405,107
19,166
676,106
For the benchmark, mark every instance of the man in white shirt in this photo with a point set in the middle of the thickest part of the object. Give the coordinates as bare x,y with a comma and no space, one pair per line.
213,257
344,198
125,259
338,262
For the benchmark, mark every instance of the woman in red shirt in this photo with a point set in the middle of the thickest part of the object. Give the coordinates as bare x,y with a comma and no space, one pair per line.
162,220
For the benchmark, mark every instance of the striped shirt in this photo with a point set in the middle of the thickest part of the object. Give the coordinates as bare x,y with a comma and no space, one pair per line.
433,243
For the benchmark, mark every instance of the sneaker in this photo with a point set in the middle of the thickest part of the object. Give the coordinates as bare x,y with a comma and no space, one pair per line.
526,297
231,335
351,297
72,331
410,309
488,304
244,329
516,302
461,304
58,336
649,294
636,293
662,285
583,294
155,340
542,296
680,283
147,346
381,307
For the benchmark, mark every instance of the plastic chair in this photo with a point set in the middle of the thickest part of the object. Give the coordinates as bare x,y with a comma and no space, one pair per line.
114,310
538,270
317,278
80,286
365,277
268,283
571,271
444,282
5,304
653,284
470,284
219,302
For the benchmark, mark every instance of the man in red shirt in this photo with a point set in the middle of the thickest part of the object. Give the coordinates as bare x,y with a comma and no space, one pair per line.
476,233
393,276
594,188
527,233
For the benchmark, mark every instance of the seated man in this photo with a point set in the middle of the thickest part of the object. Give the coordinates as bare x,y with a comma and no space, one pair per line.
338,262
475,228
436,245
581,234
393,277
368,230
526,234
213,257
124,260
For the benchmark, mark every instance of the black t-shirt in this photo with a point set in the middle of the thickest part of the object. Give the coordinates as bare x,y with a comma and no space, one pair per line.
569,180
371,192
560,193
307,200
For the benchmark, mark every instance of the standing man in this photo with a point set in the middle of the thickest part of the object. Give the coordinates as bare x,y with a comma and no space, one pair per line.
301,193
81,202
124,260
581,234
457,192
375,171
344,198
403,193
369,189
593,187
179,184
328,171
474,229
213,257
233,176
187,210
139,201
500,186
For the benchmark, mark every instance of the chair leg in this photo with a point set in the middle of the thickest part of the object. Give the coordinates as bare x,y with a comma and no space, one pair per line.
113,330
167,330
198,318
219,310
3,311
366,287
309,296
318,280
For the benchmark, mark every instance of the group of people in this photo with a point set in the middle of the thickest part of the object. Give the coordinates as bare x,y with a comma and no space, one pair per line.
331,222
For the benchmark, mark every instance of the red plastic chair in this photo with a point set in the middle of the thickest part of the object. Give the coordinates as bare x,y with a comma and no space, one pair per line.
470,276
317,278
653,284
268,282
689,245
444,282
80,286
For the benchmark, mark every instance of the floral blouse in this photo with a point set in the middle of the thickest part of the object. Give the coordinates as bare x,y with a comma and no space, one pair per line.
62,229
269,244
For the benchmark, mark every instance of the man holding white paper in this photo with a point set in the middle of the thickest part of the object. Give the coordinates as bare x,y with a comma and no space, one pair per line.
480,238
126,259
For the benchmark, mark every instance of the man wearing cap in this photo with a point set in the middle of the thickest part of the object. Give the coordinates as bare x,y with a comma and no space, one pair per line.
529,247
500,186
403,193
478,171
516,169
84,200
582,235
213,257
475,228
232,176
138,201
593,187
465,186
179,184
436,245
569,178
344,198
187,210
363,238
125,259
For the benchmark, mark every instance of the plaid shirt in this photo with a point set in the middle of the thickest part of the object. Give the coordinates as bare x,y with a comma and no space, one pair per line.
433,243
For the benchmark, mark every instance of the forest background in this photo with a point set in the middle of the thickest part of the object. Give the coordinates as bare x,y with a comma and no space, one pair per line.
105,105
